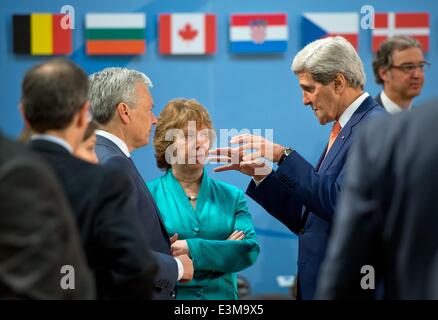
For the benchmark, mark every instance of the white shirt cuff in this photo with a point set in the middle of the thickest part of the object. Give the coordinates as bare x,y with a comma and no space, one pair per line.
180,269
257,182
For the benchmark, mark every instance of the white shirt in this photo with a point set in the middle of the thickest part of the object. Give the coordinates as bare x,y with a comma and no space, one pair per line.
343,119
390,105
59,141
116,140
124,148
351,109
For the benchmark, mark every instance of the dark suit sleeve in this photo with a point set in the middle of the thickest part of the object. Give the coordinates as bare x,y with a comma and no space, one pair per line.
317,192
275,197
38,235
118,231
356,230
296,184
167,275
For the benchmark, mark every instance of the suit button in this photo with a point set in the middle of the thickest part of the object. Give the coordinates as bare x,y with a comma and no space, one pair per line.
301,231
196,229
173,295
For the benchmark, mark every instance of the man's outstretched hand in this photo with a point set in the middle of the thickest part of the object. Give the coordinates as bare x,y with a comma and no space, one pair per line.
252,164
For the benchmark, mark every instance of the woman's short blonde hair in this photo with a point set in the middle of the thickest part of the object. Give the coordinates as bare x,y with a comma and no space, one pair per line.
176,115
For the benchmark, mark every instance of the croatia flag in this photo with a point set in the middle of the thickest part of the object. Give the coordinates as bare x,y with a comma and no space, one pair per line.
187,33
258,33
415,25
317,25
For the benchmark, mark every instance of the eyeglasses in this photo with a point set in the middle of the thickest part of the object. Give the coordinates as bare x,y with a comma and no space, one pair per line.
411,67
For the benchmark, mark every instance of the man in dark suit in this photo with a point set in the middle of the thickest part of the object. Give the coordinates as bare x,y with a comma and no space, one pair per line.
301,196
122,104
387,218
55,104
399,67
38,233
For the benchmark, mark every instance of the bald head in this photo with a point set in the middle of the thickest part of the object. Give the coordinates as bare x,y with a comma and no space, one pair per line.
52,93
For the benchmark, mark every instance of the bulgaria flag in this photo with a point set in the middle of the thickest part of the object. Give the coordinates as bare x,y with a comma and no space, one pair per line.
317,25
115,33
41,34
414,24
187,33
258,33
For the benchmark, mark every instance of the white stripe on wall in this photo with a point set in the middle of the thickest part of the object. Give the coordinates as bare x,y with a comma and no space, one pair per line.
401,31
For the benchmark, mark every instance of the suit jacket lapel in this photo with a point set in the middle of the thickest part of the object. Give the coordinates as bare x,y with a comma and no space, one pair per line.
345,133
108,143
318,165
138,177
147,193
378,99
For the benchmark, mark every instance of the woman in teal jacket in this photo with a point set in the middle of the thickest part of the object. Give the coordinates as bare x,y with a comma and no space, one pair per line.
209,217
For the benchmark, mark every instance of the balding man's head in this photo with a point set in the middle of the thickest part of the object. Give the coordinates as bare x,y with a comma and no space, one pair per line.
52,93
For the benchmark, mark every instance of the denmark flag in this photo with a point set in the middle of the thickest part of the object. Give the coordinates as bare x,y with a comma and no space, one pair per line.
413,24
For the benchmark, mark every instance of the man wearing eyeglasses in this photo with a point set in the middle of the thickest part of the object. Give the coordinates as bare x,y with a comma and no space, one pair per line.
399,66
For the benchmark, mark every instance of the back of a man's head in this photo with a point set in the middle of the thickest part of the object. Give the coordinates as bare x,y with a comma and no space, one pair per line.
52,93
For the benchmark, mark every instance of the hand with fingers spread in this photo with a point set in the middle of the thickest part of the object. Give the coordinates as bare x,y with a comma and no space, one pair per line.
234,158
253,168
251,164
263,147
236,235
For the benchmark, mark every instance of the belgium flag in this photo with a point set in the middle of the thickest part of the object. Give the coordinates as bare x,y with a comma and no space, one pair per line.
41,34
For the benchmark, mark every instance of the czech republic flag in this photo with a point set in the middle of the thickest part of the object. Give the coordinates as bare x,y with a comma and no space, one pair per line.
317,25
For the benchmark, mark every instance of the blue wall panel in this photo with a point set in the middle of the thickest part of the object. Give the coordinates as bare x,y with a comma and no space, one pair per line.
254,92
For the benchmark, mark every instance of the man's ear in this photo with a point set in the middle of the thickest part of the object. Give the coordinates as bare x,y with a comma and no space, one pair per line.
339,83
124,112
23,115
84,115
383,73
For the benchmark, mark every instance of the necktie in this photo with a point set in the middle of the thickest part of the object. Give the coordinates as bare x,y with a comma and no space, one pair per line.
333,135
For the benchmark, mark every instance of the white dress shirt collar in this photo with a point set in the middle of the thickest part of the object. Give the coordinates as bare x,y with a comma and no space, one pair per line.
116,140
351,109
390,105
59,141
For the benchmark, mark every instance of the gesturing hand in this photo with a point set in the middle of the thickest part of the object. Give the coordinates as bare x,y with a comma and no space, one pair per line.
234,157
263,147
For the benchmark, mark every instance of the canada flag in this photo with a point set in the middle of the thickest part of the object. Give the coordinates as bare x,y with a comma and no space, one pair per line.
187,33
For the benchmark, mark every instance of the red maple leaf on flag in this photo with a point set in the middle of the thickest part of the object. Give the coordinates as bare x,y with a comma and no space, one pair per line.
188,33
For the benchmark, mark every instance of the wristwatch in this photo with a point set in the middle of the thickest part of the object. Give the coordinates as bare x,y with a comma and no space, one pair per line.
286,152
